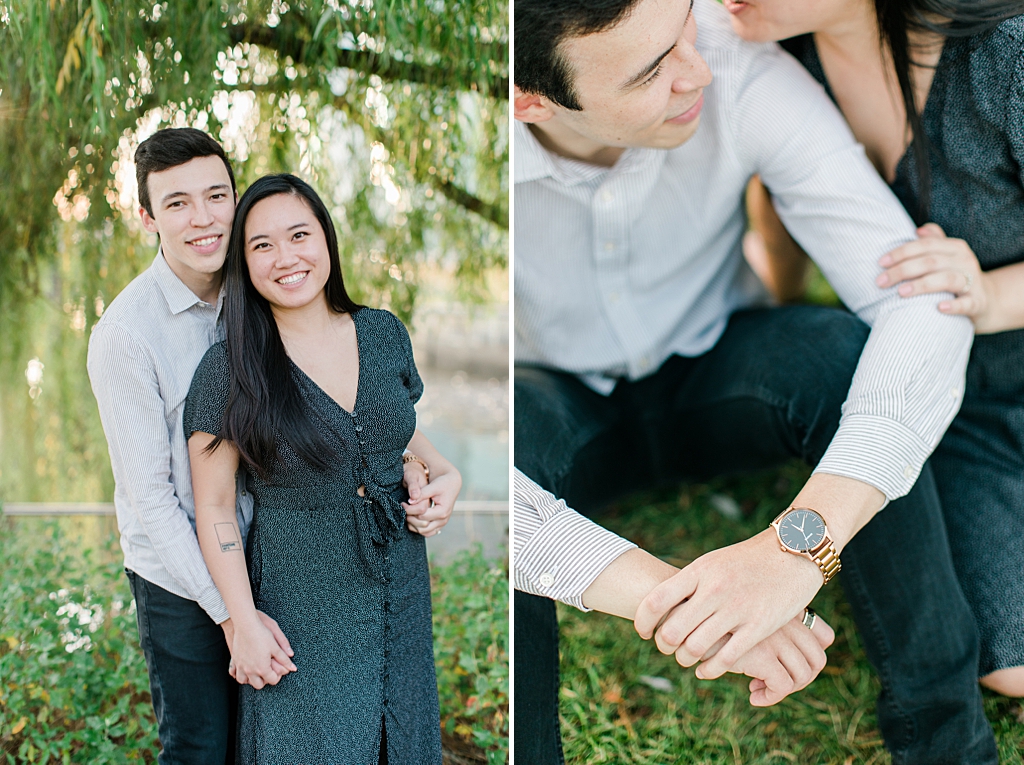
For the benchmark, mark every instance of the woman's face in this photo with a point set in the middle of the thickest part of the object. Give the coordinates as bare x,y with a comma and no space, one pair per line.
286,251
766,20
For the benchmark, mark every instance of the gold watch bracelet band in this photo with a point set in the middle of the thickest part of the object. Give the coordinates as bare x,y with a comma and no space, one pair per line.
827,559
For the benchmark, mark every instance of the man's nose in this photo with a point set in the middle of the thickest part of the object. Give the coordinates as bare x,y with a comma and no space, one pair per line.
203,216
695,73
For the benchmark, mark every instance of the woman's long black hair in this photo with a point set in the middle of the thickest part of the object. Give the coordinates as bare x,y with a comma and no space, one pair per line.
950,18
264,400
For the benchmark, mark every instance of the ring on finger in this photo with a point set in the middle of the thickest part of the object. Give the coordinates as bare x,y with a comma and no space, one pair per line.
968,281
809,618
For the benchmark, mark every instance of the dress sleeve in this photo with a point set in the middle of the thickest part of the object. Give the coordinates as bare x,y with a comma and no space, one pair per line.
208,394
410,376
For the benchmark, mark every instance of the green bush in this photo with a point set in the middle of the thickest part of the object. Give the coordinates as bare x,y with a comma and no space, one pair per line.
73,682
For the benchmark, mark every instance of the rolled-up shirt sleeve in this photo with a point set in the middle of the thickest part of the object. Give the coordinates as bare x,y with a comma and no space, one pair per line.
132,413
556,552
909,382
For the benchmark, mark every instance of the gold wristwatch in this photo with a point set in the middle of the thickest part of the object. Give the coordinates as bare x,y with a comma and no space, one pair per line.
802,531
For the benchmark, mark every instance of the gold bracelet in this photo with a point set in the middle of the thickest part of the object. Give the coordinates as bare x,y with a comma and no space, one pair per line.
410,457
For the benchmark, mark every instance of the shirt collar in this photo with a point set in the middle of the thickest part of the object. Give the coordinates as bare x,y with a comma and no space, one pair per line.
179,297
533,161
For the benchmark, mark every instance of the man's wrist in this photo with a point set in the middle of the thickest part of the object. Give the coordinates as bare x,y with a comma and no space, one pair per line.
846,504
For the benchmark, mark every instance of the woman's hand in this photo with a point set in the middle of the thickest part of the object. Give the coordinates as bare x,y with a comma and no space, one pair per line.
937,263
784,662
258,656
431,507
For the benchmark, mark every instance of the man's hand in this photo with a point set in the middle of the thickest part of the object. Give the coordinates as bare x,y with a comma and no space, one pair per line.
275,630
784,662
430,507
746,591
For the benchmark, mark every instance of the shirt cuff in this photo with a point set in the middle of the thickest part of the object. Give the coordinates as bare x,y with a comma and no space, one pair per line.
565,555
212,602
877,451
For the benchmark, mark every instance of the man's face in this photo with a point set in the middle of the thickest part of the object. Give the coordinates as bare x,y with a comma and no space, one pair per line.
640,83
193,206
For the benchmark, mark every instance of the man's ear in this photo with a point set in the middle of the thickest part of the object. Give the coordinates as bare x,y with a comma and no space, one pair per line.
147,221
530,107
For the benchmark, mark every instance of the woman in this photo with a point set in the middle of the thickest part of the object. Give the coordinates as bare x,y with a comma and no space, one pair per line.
934,90
312,395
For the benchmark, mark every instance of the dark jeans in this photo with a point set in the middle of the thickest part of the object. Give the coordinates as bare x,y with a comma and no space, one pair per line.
194,697
770,390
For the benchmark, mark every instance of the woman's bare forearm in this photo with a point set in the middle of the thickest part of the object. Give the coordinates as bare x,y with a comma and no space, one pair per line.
213,484
626,581
1007,284
420,446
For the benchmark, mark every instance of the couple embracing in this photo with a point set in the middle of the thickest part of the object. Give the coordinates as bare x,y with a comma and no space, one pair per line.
647,351
272,491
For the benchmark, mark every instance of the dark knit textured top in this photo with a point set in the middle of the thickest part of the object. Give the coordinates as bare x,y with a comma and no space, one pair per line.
345,580
974,121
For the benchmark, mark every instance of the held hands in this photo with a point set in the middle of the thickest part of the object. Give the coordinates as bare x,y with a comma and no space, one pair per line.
937,263
784,662
430,504
737,596
260,652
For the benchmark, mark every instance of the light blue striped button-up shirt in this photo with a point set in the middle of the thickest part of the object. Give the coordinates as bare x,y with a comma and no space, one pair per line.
616,269
142,355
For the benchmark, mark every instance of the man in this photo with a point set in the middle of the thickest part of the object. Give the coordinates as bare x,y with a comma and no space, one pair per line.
142,355
644,356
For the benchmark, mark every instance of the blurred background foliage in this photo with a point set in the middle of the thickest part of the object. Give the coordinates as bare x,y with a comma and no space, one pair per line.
395,110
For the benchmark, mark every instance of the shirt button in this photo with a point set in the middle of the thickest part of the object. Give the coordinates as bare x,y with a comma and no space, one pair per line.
908,472
351,414
359,428
613,297
954,392
546,580
607,196
609,246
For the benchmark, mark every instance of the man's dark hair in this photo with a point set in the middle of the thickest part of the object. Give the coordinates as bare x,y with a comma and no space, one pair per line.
541,28
171,147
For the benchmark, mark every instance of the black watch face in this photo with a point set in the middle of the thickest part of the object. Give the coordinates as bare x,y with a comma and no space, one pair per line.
801,530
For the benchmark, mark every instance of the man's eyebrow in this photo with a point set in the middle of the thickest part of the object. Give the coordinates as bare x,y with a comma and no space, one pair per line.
175,194
642,74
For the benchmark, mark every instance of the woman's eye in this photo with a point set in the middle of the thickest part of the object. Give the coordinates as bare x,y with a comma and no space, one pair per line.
300,235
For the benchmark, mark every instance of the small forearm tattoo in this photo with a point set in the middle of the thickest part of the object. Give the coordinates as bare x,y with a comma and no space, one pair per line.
227,536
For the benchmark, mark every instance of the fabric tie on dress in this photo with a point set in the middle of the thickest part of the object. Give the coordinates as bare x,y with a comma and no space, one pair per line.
380,519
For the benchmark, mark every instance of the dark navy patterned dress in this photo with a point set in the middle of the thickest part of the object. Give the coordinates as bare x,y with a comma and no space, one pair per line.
974,120
343,577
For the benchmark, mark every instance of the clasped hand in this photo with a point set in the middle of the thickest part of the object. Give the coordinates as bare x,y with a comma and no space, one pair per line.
430,504
728,609
260,652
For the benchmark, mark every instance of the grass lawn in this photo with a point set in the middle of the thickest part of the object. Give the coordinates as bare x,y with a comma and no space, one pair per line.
73,682
611,715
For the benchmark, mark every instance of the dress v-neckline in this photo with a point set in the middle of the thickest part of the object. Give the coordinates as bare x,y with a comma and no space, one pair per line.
359,374
904,158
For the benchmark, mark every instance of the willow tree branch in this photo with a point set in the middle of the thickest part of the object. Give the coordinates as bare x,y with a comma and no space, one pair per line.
294,42
486,210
